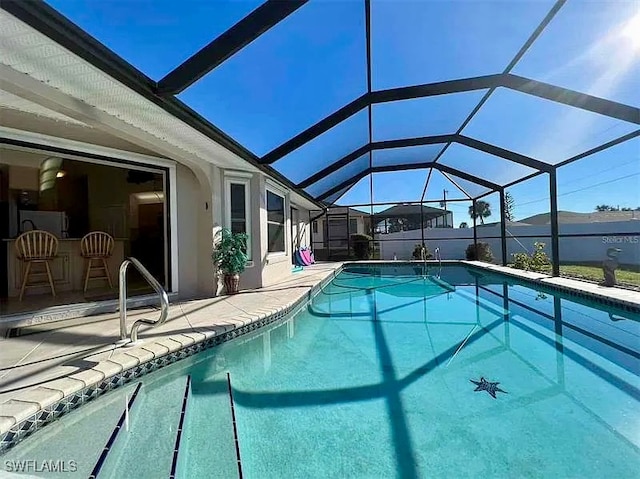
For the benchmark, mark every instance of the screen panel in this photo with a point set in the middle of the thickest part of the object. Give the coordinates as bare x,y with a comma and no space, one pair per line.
428,116
335,196
399,186
440,188
167,34
603,186
542,129
292,76
339,176
473,189
599,214
422,42
591,47
406,156
483,165
325,149
359,194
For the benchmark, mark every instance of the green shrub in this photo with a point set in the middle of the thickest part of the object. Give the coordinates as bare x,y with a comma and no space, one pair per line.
361,245
417,252
538,261
521,261
479,252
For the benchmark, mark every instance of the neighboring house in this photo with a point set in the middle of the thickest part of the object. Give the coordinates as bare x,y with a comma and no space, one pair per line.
86,145
408,217
330,232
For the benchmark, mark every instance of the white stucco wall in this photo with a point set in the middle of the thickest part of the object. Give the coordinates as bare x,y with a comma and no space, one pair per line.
194,220
264,268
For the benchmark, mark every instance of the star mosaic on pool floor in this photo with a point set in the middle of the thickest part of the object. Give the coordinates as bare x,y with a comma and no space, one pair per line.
484,385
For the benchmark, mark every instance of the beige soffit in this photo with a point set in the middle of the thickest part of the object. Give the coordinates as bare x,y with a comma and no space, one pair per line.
14,102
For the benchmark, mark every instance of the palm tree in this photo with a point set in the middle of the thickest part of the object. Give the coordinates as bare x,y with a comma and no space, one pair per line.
482,211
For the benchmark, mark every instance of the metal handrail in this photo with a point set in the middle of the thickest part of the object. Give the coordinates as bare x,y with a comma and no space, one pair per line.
436,255
122,300
423,255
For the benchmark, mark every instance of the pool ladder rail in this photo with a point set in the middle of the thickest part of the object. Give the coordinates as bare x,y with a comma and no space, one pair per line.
122,302
436,255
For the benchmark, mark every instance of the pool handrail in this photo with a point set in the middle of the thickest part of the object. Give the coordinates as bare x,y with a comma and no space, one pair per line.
122,300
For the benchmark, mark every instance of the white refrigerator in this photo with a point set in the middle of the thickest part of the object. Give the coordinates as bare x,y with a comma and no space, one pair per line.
55,222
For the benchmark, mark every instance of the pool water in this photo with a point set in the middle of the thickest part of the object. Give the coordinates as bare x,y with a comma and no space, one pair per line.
379,377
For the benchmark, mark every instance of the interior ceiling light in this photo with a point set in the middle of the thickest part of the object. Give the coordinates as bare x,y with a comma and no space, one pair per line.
49,170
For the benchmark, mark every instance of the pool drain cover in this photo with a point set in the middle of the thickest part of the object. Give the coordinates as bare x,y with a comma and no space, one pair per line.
484,385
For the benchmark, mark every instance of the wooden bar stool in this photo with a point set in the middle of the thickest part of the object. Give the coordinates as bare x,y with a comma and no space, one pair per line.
33,247
97,246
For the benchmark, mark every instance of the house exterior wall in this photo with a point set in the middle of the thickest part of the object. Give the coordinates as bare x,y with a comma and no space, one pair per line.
195,219
199,214
276,266
264,268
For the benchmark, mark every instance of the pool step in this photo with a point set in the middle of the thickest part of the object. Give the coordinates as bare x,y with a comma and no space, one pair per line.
122,425
79,436
208,444
176,461
144,446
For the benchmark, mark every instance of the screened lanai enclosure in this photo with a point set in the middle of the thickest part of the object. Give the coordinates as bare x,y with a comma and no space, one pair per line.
443,123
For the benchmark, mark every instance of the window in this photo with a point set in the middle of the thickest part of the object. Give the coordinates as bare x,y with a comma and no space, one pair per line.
315,227
353,226
275,222
238,208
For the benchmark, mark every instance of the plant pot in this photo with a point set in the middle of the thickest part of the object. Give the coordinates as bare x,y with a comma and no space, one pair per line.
231,283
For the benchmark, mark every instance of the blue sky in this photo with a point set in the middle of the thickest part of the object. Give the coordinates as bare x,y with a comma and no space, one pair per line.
314,62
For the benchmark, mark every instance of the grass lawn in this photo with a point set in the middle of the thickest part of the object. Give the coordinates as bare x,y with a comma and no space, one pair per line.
594,273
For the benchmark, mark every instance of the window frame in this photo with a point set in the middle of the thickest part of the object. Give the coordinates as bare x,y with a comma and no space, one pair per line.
351,230
246,182
269,188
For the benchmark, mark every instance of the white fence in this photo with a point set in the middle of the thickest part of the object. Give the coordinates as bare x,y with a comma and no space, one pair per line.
590,246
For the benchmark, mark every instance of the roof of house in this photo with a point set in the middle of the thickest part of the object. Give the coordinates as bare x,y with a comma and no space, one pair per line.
410,210
565,217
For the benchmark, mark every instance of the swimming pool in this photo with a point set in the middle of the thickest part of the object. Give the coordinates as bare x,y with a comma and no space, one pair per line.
388,372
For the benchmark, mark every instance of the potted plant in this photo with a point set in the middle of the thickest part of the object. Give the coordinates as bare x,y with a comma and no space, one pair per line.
230,257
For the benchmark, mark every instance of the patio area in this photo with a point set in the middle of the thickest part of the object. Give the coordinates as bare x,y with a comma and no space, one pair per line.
38,369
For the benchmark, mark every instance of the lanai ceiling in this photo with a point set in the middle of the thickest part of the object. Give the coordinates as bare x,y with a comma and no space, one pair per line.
363,101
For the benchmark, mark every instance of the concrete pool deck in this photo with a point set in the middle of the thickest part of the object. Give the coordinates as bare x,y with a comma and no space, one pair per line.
38,370
619,295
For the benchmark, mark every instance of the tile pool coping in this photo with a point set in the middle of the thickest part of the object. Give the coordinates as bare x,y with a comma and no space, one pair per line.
35,408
